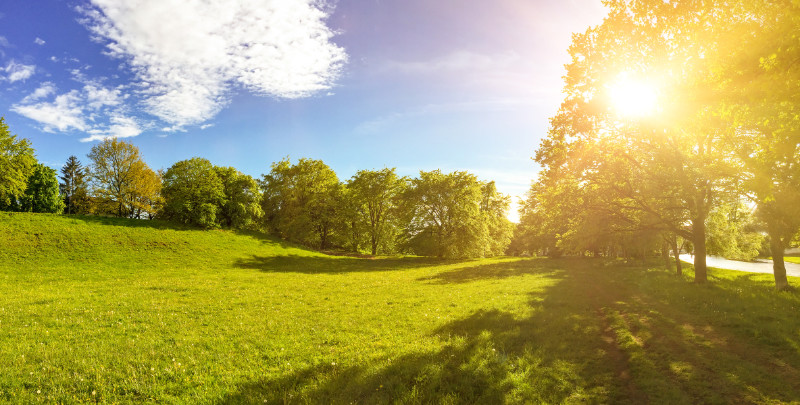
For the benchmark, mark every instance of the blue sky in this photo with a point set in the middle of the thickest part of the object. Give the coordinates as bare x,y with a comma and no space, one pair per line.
360,84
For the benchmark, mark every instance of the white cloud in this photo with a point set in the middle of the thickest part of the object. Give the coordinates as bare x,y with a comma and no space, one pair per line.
96,110
456,61
62,114
120,127
4,42
45,90
98,96
39,41
18,71
190,54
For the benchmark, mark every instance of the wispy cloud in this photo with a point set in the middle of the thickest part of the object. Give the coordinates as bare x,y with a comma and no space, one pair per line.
120,126
94,109
62,114
189,56
39,41
18,72
456,61
383,122
44,90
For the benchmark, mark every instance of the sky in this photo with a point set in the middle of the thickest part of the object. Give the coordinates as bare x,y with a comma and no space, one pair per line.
359,84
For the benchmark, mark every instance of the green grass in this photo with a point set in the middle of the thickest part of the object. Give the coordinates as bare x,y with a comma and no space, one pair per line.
792,259
122,311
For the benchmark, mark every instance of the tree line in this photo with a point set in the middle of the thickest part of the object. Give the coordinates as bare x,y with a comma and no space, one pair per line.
716,169
449,215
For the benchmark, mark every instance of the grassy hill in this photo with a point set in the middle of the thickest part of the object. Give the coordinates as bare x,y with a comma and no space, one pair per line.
95,309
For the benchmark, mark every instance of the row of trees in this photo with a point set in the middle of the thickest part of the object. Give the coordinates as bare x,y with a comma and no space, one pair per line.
436,214
375,211
724,142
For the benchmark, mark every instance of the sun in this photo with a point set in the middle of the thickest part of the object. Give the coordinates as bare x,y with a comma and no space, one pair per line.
633,97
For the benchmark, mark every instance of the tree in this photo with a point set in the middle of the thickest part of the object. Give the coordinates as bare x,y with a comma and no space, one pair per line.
242,206
494,210
732,234
74,186
375,195
41,193
16,165
300,201
445,215
193,193
116,170
761,90
144,197
664,173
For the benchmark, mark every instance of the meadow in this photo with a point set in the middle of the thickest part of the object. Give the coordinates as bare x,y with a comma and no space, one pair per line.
125,311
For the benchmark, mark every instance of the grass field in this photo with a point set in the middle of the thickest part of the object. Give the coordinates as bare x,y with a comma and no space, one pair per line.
793,259
102,310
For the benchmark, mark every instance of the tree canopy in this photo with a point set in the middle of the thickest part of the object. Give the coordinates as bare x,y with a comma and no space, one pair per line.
16,165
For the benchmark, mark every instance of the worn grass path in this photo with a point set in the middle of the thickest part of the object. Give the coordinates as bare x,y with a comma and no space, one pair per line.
100,310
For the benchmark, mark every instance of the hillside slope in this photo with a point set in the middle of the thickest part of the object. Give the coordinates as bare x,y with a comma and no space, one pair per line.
96,244
122,311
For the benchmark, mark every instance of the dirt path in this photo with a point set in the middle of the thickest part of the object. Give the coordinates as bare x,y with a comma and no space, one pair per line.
759,266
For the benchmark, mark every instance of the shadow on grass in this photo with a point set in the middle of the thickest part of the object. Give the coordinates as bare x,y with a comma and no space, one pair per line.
599,335
331,264
491,271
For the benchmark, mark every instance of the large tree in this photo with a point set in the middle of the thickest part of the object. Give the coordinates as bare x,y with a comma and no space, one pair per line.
762,95
445,215
145,192
193,193
300,201
664,171
116,172
16,165
41,193
375,203
242,204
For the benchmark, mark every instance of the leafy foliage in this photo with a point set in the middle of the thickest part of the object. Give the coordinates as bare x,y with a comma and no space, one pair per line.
123,185
16,164
374,197
42,192
732,233
300,201
451,215
242,206
193,193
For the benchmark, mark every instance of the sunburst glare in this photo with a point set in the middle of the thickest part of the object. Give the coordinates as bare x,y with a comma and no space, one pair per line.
633,97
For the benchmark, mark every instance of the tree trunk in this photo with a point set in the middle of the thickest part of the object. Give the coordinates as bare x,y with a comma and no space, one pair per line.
677,253
323,238
699,240
778,266
374,245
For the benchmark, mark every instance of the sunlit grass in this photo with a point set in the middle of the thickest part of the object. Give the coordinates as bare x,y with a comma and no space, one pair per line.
792,259
133,311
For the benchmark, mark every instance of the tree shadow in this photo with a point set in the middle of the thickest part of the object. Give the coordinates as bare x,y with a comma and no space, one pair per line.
598,335
333,264
494,271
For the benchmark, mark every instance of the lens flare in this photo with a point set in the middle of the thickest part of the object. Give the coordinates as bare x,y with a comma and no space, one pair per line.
633,98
